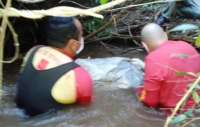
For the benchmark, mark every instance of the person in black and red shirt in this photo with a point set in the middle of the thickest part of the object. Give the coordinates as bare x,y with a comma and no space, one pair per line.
50,79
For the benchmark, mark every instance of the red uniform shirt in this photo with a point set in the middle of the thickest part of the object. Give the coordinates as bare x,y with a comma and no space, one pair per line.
163,87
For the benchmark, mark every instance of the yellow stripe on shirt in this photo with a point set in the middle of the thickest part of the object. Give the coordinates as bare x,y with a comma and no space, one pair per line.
64,90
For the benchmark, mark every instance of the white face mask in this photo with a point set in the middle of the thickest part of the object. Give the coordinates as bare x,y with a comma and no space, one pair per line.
81,46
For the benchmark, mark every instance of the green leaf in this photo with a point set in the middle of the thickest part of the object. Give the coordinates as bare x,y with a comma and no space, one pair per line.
181,73
179,119
104,2
197,42
196,97
189,113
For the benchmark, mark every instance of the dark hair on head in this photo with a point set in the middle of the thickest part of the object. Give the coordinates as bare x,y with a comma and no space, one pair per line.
59,30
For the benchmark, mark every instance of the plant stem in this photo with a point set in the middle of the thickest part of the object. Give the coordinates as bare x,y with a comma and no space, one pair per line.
2,37
106,25
189,122
144,4
183,99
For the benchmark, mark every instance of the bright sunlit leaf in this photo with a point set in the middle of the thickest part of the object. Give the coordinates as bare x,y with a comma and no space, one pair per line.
197,42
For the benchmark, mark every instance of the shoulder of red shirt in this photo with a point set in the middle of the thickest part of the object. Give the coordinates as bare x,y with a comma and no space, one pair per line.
154,53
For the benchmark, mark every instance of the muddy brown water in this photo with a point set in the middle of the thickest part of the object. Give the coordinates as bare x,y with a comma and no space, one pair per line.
111,106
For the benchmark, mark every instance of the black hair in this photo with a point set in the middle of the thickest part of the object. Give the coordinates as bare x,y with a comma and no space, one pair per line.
59,30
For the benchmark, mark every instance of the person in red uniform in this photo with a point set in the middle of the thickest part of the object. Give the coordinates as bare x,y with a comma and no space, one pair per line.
50,79
163,87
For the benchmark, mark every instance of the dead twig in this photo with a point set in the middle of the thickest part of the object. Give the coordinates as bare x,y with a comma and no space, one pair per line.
30,1
4,24
69,1
16,41
107,6
143,4
64,11
99,30
16,45
114,18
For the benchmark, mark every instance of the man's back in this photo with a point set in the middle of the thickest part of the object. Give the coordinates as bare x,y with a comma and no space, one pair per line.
51,80
162,70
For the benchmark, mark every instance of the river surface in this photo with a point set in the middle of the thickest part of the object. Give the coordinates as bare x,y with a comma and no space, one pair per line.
111,107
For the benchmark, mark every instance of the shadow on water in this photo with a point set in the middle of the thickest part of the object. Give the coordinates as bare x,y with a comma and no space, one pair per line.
111,107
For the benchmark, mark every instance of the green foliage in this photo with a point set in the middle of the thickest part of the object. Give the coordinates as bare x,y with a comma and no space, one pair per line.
197,42
179,119
93,24
189,113
179,73
103,1
182,118
196,97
